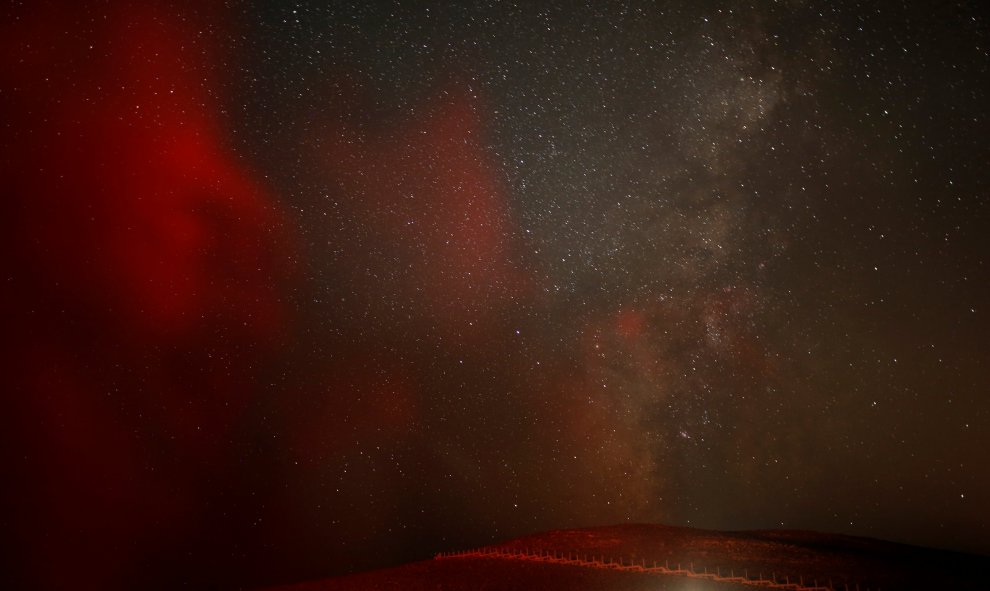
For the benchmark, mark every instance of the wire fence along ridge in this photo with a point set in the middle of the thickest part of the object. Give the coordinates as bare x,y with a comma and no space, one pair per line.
724,575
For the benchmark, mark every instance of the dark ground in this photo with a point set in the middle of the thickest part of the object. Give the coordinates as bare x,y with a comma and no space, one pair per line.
843,560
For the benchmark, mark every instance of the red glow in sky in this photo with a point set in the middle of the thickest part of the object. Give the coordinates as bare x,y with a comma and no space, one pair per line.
144,268
296,290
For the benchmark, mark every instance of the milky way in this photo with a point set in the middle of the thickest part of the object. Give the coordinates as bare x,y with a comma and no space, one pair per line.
298,290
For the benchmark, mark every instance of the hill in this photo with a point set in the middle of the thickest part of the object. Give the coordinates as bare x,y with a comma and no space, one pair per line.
659,558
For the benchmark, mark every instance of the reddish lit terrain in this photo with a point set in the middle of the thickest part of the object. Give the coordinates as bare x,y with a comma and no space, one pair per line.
667,558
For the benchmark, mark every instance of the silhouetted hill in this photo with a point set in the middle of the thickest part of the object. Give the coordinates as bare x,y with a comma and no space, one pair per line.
658,557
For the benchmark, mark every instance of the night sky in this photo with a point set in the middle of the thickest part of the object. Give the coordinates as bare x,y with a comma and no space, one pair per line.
298,289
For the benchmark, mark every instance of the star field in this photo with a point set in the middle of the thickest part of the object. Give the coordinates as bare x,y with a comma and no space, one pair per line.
355,284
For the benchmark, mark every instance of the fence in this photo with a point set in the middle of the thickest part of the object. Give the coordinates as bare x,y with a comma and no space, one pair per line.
641,566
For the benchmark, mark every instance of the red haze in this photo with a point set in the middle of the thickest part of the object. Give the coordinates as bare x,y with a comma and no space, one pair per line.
144,295
429,210
141,291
